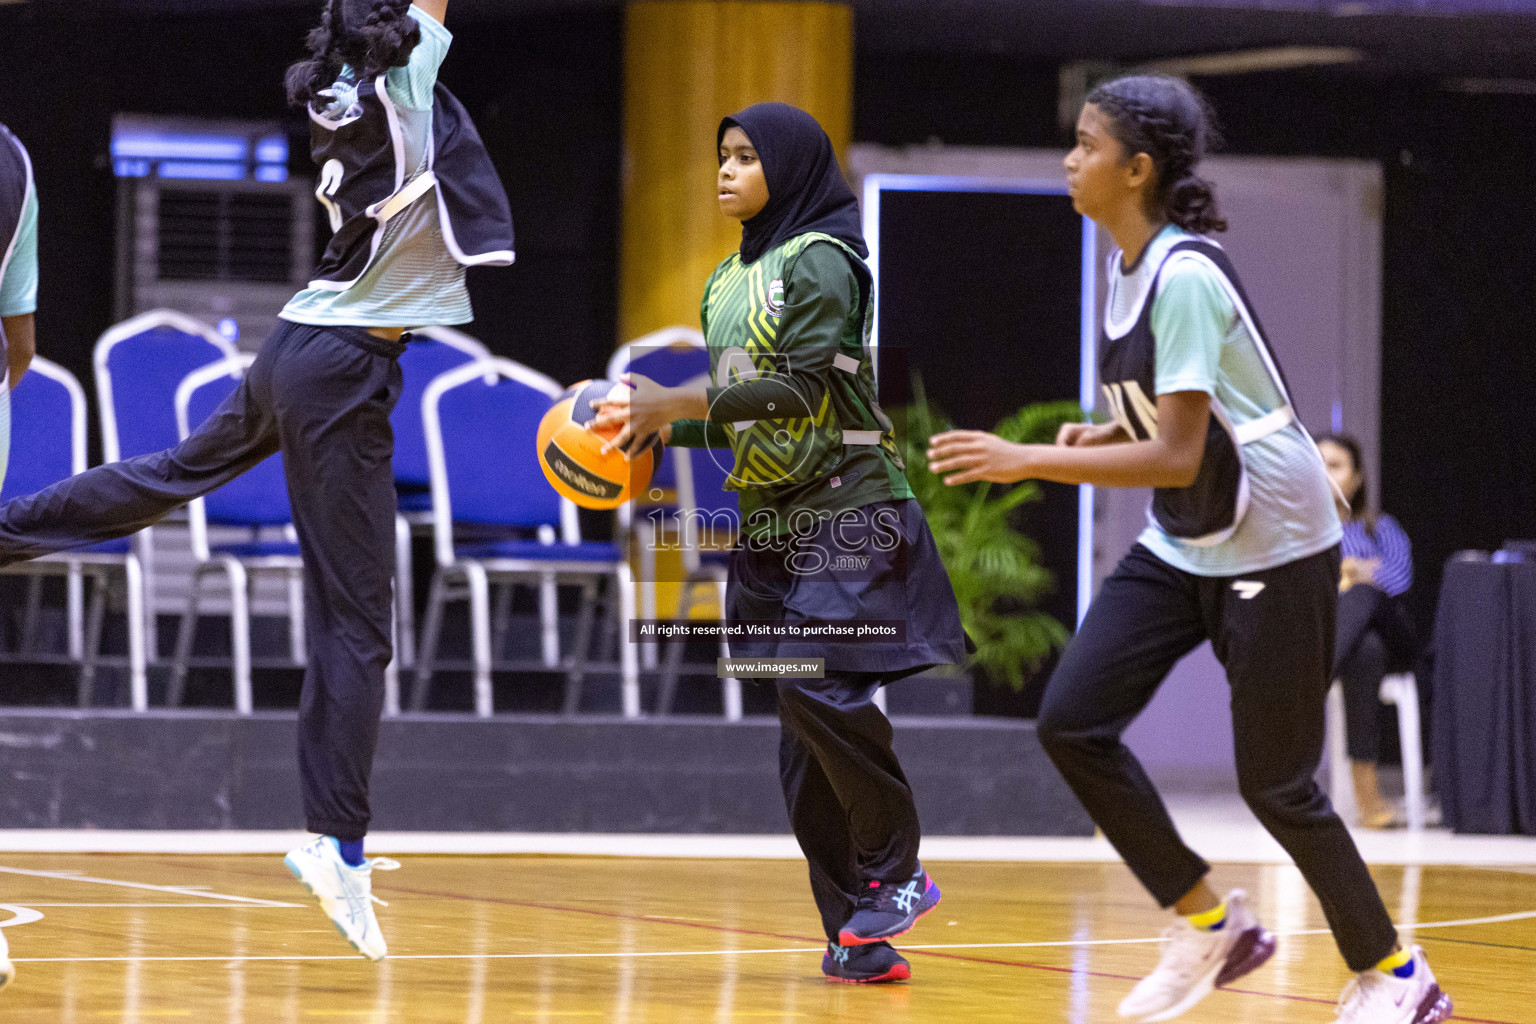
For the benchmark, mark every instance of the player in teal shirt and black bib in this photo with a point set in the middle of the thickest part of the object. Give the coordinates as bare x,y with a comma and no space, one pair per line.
1242,549
18,304
412,199
830,530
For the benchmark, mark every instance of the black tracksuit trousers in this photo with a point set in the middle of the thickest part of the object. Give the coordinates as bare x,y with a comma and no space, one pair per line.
323,395
1273,631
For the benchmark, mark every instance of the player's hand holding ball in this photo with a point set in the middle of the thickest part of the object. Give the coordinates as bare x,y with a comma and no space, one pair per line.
636,407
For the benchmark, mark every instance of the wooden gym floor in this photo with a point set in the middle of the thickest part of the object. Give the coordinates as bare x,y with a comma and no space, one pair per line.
482,940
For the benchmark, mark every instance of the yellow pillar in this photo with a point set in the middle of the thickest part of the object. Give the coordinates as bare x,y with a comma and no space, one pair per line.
688,63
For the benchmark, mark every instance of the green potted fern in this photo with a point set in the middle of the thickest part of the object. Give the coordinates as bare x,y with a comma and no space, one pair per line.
994,568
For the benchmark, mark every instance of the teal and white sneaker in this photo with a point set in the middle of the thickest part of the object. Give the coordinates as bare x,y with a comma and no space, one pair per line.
345,893
7,969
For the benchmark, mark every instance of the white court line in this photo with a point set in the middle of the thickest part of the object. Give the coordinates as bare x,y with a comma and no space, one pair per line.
171,906
21,915
175,890
622,954
1219,840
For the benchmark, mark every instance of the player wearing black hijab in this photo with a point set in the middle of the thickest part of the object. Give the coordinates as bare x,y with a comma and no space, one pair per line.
830,528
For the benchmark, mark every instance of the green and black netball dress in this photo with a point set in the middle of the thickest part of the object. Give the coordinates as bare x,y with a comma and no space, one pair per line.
830,532
830,528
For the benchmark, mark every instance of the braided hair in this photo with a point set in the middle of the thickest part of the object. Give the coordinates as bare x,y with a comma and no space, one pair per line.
1169,121
369,36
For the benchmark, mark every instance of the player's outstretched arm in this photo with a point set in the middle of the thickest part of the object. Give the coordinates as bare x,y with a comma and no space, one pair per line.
1172,459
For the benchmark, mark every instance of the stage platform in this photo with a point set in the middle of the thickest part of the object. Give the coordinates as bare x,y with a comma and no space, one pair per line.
187,770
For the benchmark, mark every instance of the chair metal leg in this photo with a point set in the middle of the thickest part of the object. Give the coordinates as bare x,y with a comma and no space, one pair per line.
731,686
405,595
649,652
480,636
672,665
185,634
549,616
1403,690
144,547
138,677
298,645
430,635
629,662
392,670
1341,784
74,599
501,619
240,632
576,674
97,613
30,616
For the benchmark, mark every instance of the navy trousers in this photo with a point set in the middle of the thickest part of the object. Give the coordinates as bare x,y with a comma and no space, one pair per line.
323,395
850,805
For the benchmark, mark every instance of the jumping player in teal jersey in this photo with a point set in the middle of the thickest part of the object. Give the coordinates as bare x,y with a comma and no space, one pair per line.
1242,550
816,466
412,199
18,304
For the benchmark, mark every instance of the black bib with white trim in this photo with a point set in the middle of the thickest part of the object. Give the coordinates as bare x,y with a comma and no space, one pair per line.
1209,510
363,184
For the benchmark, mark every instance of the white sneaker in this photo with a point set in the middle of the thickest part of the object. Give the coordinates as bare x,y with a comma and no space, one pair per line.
1194,962
7,969
1374,997
345,892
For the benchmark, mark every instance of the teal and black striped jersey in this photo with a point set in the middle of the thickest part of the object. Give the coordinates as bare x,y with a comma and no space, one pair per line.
794,386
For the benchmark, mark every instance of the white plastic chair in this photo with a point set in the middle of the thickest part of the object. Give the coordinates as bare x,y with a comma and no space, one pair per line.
1402,691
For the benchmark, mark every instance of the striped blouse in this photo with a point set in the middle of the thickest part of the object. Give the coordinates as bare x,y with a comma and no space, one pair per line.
1390,544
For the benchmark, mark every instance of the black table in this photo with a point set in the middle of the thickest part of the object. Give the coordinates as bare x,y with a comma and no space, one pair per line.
1484,721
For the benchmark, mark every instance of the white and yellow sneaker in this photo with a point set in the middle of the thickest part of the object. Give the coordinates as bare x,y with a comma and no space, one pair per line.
1375,997
345,892
1194,962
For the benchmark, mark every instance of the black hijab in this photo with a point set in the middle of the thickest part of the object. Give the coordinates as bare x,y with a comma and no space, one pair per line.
806,188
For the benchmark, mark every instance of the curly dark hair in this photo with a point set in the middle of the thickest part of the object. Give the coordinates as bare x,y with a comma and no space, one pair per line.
1167,119
369,36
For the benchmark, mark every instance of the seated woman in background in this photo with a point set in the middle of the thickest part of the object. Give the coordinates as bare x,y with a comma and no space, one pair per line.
1375,631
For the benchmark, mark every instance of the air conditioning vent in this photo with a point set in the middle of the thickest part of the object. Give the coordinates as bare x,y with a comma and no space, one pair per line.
225,236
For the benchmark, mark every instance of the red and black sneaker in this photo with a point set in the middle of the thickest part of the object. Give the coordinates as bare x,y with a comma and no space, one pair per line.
889,909
874,964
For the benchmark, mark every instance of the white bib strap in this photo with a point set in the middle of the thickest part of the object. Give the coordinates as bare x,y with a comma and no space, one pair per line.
867,437
397,203
847,364
1272,423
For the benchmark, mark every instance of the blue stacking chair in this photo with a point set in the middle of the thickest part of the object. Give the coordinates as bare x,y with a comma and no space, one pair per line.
256,502
672,356
703,515
138,365
432,352
497,520
48,414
